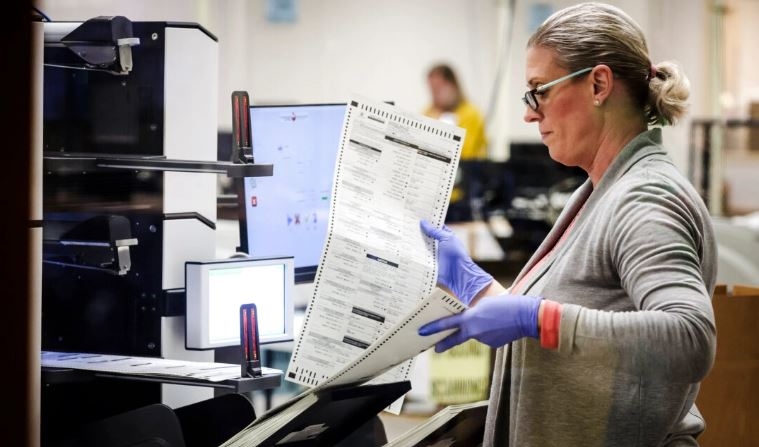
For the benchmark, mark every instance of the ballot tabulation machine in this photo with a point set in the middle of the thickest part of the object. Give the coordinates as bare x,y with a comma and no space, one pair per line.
129,181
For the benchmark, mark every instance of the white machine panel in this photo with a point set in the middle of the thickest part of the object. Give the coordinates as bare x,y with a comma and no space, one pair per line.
190,127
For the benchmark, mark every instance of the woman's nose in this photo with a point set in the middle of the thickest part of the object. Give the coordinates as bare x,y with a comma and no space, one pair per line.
530,115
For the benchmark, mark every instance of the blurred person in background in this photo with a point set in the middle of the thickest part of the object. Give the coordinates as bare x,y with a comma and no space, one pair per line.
450,105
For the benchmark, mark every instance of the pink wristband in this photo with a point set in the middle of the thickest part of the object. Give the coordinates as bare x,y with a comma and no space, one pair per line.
549,329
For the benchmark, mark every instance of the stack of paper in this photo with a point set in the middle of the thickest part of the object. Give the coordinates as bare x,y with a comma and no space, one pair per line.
268,424
456,425
144,366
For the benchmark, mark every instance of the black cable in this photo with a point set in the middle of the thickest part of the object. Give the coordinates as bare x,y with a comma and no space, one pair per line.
44,16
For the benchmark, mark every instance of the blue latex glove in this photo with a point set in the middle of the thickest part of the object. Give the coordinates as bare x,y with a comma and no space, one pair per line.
495,321
456,270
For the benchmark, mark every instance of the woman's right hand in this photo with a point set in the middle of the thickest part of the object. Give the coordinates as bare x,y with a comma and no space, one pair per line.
495,321
456,270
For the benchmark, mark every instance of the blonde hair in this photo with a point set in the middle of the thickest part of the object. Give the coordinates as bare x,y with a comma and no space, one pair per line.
590,34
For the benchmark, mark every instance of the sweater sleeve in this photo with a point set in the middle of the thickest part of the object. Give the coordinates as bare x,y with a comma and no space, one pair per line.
656,244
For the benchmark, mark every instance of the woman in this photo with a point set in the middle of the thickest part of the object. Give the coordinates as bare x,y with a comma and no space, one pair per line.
610,323
449,104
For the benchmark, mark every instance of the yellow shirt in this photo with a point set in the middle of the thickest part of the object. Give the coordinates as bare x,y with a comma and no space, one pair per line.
467,116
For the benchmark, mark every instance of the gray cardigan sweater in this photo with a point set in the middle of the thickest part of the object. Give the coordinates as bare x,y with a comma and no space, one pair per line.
635,276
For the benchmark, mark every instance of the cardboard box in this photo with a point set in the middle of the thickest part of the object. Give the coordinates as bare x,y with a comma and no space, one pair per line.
729,396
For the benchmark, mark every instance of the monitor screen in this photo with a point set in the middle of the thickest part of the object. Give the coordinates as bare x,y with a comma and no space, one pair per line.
216,290
286,214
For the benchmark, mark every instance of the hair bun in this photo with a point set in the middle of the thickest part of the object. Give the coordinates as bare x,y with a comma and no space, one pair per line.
668,93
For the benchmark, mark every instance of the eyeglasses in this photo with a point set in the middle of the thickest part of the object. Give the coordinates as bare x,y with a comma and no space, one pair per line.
530,98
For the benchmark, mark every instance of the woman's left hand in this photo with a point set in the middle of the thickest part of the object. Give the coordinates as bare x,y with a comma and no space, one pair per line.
456,270
495,321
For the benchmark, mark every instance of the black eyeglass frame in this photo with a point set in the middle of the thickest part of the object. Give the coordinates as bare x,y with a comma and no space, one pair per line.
530,97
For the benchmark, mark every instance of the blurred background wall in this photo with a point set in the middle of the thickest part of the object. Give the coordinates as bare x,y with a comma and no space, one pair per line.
324,50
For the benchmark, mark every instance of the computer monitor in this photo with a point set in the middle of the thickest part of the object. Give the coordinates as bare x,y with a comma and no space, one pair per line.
215,291
286,214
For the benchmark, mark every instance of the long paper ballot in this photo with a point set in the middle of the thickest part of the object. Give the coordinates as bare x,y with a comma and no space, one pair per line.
400,343
393,169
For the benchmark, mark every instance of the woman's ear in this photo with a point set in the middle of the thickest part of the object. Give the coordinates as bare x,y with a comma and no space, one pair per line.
603,83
